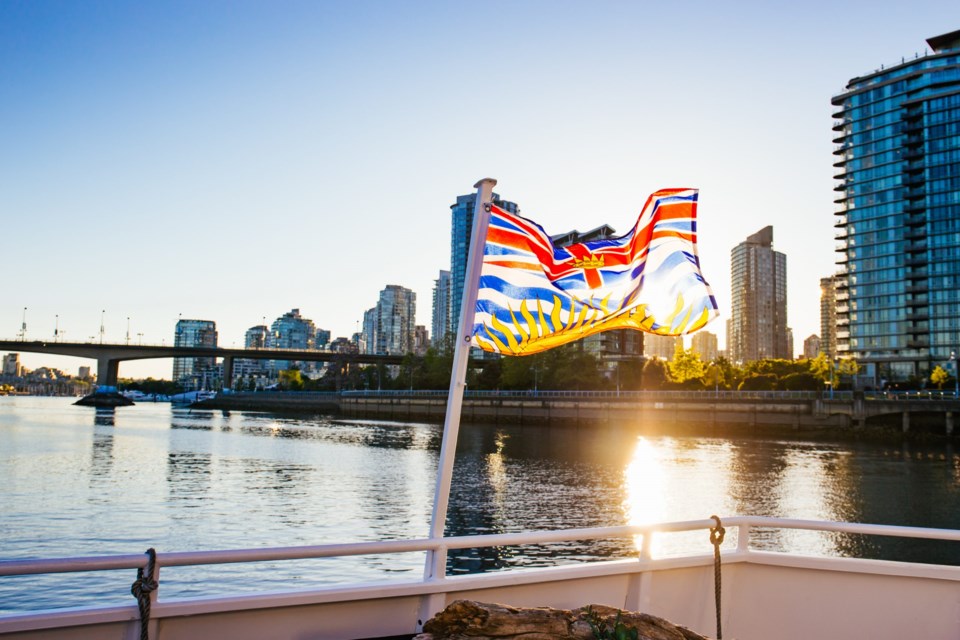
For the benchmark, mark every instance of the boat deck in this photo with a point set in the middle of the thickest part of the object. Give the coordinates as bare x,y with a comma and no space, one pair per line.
764,594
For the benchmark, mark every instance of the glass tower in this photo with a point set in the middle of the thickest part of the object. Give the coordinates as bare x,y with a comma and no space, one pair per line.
462,227
194,373
898,214
390,326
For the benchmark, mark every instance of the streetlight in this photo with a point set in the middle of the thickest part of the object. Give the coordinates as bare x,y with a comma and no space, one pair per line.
23,326
956,374
128,331
140,338
102,312
56,327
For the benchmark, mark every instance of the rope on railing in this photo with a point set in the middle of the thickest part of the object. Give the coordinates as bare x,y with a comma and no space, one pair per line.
141,589
716,539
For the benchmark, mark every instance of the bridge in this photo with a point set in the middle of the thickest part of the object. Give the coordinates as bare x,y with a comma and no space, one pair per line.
109,356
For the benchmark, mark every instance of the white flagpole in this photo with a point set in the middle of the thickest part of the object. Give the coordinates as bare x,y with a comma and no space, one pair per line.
436,562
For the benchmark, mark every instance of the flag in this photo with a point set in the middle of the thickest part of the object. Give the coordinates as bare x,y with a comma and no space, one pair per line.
533,296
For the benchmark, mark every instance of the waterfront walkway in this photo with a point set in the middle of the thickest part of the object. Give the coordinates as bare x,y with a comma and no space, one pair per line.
798,409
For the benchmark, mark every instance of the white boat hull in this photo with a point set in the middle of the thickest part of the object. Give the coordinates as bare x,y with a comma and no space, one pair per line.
764,595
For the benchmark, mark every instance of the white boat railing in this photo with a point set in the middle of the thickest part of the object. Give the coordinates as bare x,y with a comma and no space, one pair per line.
743,525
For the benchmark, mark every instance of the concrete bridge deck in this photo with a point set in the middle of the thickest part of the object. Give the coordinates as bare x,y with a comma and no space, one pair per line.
109,356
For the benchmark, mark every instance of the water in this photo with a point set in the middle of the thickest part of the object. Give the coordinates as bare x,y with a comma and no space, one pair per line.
77,482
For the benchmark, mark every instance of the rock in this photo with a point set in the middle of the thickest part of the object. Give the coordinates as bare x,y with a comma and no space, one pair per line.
470,620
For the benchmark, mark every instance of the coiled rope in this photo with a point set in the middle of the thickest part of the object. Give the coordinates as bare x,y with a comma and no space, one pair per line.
141,589
716,539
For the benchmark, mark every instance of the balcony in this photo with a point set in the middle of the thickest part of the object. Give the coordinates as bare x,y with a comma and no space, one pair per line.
916,209
915,316
914,193
917,288
913,233
918,343
914,247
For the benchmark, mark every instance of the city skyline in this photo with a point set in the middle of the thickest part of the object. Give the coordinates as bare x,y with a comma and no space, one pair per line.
177,159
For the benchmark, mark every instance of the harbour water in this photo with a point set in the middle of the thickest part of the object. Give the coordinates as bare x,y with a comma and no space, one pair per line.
77,482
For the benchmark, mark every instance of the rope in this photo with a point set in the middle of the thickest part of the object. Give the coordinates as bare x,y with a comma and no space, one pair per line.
141,589
716,539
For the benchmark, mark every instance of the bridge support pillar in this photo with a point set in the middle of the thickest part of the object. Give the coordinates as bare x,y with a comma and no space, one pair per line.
949,423
228,372
906,421
107,370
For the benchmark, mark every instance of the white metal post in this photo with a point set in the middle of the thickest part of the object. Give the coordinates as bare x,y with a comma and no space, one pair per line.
436,563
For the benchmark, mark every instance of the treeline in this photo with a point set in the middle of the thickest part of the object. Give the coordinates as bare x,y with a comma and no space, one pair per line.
571,368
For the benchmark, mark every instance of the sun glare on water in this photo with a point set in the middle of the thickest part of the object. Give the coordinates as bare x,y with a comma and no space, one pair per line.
645,481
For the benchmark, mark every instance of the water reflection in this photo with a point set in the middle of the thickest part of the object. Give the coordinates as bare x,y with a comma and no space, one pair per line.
178,480
104,416
101,454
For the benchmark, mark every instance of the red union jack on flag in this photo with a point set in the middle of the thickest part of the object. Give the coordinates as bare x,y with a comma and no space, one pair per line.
533,296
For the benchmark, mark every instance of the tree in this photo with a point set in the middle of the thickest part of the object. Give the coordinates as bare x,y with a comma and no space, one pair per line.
820,367
291,380
686,365
938,376
801,382
654,374
847,367
759,382
489,375
713,376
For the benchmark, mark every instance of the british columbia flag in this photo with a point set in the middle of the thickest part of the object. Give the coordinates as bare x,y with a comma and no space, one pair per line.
533,296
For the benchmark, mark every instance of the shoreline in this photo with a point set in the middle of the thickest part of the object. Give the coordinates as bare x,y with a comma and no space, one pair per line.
741,418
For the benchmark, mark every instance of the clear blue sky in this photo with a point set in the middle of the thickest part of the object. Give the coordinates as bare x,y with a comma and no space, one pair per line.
233,160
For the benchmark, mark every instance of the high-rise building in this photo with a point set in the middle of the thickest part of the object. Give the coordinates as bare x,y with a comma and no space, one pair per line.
663,347
421,340
828,315
291,331
441,308
704,344
11,365
898,213
248,370
461,231
758,311
811,346
255,337
195,373
389,327
322,340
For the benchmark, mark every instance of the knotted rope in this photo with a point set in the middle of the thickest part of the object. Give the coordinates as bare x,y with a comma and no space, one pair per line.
716,539
141,589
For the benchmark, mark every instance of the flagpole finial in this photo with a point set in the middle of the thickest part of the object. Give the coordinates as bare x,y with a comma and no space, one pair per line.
492,182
